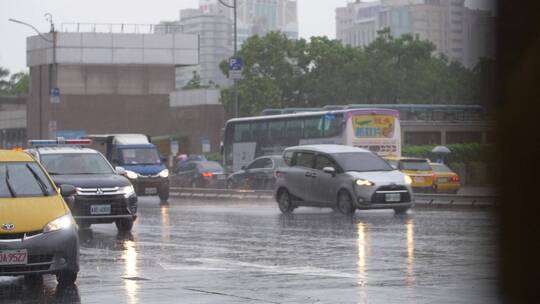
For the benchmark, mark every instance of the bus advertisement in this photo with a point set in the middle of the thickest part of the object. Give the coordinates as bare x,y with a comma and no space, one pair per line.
248,138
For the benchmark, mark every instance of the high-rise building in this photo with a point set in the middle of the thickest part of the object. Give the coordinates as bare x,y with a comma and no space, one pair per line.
214,24
458,32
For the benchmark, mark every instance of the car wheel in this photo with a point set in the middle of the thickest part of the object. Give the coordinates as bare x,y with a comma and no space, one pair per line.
344,204
401,211
124,225
33,279
66,277
164,195
284,202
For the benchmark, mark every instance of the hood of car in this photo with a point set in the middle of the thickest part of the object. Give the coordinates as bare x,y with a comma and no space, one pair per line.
26,214
91,180
145,169
380,177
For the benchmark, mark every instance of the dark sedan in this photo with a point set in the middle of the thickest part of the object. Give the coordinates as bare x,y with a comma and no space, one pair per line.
199,174
258,175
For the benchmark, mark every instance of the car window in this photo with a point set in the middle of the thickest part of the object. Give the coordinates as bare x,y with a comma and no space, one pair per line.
288,157
23,179
361,162
304,159
414,165
441,168
76,163
256,164
211,166
323,161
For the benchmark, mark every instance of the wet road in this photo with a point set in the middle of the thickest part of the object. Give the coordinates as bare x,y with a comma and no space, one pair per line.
215,252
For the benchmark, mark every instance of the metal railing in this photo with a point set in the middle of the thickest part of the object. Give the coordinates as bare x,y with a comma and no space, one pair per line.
421,199
119,28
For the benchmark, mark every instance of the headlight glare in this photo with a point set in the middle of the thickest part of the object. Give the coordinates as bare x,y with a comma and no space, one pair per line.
63,222
364,182
127,190
408,180
164,173
131,174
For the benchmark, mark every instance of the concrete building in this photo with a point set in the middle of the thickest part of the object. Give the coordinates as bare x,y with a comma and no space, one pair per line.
213,22
216,44
458,32
12,121
84,83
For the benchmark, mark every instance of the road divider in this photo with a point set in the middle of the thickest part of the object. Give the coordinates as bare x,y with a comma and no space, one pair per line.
427,200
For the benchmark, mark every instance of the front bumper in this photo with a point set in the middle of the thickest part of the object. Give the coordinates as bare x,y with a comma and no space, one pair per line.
121,207
376,198
48,253
145,186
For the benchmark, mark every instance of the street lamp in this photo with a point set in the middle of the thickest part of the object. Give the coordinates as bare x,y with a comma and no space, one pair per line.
48,17
235,8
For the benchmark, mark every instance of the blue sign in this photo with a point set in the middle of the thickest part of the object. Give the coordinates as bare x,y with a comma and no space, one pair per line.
55,92
235,64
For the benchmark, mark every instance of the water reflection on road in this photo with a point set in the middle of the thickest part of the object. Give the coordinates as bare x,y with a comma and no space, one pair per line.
235,252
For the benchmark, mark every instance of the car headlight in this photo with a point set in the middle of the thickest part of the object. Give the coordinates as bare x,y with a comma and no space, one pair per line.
164,173
131,174
408,180
364,182
127,191
63,222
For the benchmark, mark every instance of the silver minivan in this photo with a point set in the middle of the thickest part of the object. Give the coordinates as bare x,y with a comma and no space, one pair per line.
340,177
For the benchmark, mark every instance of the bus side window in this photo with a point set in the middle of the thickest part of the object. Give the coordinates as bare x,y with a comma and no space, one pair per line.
277,129
259,132
333,125
313,127
242,132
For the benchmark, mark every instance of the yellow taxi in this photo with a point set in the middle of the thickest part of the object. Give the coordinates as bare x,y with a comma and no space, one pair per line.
446,181
422,175
38,235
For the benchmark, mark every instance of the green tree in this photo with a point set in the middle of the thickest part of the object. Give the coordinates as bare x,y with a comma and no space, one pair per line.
16,84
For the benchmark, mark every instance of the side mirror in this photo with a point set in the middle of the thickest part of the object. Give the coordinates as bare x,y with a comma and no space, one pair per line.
329,170
67,190
120,170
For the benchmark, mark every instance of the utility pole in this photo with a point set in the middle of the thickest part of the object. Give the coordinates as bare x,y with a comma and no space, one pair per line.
234,6
53,41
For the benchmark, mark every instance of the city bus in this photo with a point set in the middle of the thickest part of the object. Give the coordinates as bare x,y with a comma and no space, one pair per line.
248,138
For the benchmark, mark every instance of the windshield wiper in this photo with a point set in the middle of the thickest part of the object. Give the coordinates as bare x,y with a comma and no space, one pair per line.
10,188
38,179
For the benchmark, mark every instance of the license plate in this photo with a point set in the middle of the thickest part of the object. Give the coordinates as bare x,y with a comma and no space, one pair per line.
13,257
221,177
442,179
150,191
419,179
393,197
100,209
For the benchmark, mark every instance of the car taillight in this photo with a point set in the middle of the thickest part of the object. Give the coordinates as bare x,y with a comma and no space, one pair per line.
207,174
455,179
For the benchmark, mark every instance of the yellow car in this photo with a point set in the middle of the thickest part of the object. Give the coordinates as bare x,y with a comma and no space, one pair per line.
38,235
447,181
422,175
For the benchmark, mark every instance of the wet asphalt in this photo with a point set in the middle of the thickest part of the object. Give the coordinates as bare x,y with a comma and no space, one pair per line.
247,252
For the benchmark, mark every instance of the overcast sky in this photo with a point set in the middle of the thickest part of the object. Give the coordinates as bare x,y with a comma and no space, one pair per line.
316,18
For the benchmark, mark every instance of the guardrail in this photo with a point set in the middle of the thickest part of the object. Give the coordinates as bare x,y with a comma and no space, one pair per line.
421,199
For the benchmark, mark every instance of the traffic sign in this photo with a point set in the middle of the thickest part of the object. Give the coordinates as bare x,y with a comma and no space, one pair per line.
235,67
55,95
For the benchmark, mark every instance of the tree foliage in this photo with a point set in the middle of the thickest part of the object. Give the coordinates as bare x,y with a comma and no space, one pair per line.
279,72
16,84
